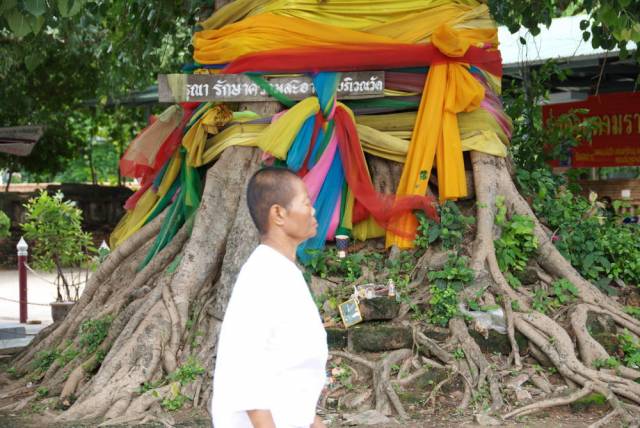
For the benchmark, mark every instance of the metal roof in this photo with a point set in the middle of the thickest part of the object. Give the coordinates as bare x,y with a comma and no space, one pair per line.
561,41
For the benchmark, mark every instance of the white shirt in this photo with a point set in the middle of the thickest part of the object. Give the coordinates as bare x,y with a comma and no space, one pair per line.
272,351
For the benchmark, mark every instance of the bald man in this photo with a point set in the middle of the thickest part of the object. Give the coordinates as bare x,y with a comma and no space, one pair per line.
272,352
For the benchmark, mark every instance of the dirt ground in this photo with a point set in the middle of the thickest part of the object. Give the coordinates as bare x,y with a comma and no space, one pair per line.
444,417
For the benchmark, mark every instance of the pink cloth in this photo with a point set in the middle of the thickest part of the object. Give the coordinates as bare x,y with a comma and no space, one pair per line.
316,176
335,220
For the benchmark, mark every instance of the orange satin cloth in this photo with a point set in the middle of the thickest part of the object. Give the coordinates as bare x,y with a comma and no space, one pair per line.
450,89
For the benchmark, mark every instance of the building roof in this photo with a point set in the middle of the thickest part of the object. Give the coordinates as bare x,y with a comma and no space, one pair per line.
561,41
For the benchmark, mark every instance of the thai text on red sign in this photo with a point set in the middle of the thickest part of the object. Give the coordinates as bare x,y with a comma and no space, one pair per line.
616,142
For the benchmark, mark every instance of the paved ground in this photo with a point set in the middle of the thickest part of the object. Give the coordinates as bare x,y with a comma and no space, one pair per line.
40,292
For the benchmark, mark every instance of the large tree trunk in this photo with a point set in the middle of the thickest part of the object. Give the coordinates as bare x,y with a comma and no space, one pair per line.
163,318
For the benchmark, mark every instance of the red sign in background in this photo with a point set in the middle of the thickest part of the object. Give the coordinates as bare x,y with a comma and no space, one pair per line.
617,142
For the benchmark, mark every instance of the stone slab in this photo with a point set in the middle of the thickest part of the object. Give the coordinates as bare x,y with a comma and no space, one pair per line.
497,342
379,308
11,331
336,338
379,337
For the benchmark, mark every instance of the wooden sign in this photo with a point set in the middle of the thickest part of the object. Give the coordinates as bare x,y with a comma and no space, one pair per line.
19,140
174,88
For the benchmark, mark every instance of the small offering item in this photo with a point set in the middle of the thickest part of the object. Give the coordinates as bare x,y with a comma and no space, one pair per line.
350,312
342,244
391,288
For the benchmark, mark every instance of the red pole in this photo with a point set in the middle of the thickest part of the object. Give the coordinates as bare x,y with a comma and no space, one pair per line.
23,251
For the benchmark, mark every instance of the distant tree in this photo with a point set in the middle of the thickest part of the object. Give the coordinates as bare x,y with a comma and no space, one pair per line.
612,22
55,55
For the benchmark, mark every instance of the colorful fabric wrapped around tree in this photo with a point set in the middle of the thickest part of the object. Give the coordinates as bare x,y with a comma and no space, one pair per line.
445,50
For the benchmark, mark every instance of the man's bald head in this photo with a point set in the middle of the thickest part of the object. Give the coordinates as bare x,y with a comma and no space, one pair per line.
269,186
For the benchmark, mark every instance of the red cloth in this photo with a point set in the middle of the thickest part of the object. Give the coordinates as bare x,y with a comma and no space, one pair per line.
359,57
145,173
383,207
140,168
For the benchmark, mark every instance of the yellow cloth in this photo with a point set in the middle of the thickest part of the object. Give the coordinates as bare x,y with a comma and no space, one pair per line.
449,90
353,14
274,27
279,136
195,139
379,135
367,229
478,131
134,219
267,32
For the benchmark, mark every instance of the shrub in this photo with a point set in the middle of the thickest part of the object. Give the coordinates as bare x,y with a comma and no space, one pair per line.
593,240
446,284
5,225
450,231
55,226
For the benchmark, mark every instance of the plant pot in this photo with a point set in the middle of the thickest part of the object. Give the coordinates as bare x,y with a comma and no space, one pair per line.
59,310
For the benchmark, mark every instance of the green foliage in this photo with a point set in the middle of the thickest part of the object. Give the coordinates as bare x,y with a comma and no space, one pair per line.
562,292
188,372
454,273
611,23
633,311
446,283
533,142
458,353
5,225
93,333
516,244
173,403
593,240
148,386
325,263
451,229
399,269
11,371
42,392
444,305
67,356
343,375
606,363
55,225
631,348
78,51
44,359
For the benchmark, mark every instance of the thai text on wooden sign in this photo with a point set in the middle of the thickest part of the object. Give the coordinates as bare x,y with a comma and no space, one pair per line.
616,142
237,87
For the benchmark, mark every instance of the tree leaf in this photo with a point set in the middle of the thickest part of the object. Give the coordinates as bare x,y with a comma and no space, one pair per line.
63,7
36,24
32,61
18,23
7,5
35,7
77,7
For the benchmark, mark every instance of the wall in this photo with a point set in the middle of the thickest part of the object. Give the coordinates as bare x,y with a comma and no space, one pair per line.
101,209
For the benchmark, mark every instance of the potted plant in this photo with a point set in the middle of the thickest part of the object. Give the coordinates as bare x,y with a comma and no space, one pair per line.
59,244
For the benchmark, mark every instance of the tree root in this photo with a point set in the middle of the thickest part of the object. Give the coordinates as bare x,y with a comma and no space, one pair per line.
476,358
385,395
434,391
121,258
551,402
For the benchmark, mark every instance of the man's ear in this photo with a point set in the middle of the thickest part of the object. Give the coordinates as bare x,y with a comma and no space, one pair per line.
277,214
